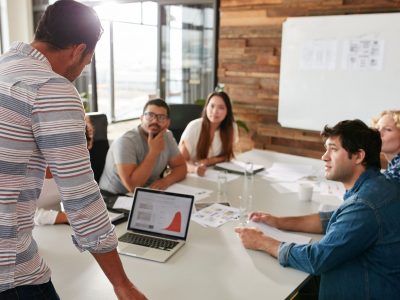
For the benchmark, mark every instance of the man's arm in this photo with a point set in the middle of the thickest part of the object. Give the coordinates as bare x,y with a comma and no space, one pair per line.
308,223
111,265
255,239
178,168
133,175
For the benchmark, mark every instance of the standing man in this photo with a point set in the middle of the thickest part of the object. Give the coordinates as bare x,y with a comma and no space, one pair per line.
141,155
42,124
358,258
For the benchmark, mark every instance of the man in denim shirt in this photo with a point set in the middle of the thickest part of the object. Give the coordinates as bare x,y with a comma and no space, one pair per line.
359,256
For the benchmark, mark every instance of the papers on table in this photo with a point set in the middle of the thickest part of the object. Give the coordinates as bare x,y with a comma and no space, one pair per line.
280,235
215,215
287,172
212,175
115,216
198,193
237,166
293,187
123,202
332,188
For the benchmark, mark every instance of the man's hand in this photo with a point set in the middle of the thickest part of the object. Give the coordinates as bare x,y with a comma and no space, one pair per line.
160,184
253,238
129,292
156,143
264,218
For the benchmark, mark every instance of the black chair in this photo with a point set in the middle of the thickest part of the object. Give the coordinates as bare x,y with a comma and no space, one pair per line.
100,147
181,115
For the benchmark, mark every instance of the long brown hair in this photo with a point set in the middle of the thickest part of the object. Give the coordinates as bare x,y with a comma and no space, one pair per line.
225,130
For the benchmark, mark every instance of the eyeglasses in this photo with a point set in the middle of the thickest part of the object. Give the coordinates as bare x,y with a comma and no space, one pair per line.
148,115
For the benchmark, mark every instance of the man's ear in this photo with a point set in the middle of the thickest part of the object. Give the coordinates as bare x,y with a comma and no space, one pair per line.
78,52
360,155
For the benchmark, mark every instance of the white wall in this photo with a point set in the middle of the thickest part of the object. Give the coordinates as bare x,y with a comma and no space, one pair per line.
16,21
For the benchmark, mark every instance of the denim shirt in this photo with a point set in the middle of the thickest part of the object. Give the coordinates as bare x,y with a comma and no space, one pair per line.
359,256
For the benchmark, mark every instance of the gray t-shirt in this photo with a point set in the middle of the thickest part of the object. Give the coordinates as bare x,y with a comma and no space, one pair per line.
132,148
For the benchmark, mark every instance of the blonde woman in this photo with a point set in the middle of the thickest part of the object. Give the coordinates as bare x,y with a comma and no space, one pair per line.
388,124
210,139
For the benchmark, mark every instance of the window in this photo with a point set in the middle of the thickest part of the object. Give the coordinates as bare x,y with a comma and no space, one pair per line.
187,66
150,50
126,58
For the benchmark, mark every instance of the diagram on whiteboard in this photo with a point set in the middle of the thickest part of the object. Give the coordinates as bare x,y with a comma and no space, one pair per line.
363,53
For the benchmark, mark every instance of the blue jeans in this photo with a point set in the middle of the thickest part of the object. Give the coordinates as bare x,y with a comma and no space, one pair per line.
43,291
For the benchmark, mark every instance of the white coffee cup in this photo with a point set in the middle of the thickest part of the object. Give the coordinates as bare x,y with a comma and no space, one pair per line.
305,191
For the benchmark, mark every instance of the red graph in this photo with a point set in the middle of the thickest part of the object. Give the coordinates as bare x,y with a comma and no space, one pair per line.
176,223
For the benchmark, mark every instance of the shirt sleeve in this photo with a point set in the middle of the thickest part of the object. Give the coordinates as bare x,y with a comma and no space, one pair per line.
59,129
325,217
191,136
172,145
235,133
354,229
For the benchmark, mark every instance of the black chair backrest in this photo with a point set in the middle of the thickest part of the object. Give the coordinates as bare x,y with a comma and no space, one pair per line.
100,147
181,115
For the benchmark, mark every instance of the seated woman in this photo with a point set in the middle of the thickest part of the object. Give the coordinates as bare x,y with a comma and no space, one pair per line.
210,139
388,124
49,202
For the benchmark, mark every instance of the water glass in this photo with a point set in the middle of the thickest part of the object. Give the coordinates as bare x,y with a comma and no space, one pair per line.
222,179
246,199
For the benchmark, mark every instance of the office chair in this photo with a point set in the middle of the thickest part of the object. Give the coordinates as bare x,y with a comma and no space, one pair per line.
181,115
100,147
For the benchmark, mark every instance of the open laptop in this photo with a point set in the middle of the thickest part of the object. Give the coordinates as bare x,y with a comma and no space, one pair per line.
158,224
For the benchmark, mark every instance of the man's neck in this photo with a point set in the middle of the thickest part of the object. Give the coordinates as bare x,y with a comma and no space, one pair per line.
57,58
348,184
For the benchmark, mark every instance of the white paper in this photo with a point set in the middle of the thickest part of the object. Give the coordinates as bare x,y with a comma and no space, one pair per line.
332,188
280,235
212,175
293,187
123,202
115,216
286,187
215,215
318,55
198,193
287,172
363,53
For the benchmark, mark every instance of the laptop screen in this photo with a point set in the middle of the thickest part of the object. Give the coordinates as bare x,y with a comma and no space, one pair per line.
161,212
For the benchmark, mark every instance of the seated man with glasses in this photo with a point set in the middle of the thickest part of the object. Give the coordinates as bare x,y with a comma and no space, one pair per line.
140,156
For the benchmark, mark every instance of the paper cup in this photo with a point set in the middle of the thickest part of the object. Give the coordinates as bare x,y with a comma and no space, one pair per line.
305,191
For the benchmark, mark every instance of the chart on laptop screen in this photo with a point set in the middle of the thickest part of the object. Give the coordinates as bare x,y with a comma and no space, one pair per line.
161,213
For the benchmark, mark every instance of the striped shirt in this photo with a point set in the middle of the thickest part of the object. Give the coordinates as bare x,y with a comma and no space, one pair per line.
42,123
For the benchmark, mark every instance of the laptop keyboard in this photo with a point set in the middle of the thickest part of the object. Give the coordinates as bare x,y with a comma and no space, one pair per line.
147,241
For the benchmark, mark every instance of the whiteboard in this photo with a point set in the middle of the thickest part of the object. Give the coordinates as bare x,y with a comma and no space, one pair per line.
338,67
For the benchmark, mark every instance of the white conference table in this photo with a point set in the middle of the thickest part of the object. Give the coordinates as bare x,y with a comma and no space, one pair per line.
212,265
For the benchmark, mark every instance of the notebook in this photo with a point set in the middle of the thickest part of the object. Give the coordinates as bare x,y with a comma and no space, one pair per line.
238,167
158,224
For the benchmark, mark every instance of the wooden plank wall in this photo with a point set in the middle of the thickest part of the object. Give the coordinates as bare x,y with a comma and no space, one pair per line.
249,61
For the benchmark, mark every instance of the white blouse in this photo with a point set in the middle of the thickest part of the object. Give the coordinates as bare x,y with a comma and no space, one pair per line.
191,136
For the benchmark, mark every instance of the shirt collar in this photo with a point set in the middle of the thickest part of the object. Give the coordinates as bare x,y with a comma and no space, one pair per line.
367,174
28,50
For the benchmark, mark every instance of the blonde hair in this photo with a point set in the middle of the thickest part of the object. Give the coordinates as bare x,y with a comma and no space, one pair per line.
395,114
